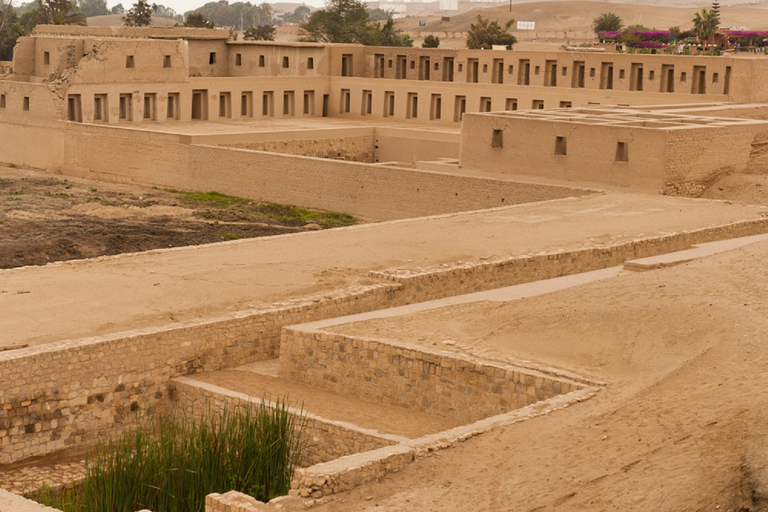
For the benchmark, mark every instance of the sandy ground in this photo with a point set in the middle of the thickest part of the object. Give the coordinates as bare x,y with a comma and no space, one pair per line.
74,299
680,426
386,419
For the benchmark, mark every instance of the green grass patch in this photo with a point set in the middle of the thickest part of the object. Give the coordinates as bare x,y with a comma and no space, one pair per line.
172,465
235,209
230,236
213,199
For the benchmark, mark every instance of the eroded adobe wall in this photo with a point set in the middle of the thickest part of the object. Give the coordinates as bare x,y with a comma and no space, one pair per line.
353,149
589,152
364,190
696,157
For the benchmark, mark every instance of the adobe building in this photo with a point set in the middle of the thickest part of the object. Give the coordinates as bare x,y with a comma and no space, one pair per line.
110,81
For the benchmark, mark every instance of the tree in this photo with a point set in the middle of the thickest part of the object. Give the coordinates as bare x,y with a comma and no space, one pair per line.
342,21
431,42
195,19
140,15
10,30
162,11
678,34
606,22
299,15
388,35
239,14
260,33
705,24
716,10
118,9
55,12
93,7
485,35
378,14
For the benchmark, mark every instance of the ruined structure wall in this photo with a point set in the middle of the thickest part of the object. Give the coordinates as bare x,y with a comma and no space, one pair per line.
325,440
529,147
610,72
697,157
443,103
406,145
435,382
208,58
353,149
264,60
74,392
365,190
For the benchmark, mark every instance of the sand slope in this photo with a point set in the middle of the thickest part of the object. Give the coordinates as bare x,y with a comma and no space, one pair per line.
680,426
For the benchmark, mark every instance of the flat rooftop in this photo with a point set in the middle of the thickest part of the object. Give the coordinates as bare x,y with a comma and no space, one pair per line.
113,294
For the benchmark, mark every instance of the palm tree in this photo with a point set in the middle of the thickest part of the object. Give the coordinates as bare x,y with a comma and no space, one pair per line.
705,24
606,22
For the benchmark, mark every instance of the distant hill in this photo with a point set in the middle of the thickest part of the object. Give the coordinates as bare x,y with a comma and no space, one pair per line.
576,15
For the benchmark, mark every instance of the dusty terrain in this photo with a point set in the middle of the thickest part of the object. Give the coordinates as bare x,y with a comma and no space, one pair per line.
46,218
73,299
680,426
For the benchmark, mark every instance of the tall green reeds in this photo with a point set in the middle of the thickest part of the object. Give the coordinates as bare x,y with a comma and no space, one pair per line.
174,464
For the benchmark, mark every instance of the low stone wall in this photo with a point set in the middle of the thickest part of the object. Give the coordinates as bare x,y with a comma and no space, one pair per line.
428,283
326,439
74,392
431,381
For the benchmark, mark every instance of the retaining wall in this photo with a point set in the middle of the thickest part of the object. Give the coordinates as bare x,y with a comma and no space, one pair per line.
71,392
431,381
326,439
427,283
74,392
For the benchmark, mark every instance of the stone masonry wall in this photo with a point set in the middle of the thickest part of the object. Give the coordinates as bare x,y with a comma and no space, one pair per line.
326,440
427,283
75,392
435,382
70,393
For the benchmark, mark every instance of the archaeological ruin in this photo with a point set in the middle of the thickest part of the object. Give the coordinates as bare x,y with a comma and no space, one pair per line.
484,177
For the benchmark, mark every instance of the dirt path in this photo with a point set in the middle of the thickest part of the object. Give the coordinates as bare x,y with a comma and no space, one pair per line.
680,426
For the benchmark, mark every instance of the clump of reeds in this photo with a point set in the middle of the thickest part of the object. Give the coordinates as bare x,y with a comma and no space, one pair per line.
173,464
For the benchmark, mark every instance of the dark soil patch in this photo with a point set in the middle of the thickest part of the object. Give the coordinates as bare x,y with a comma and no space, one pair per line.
45,219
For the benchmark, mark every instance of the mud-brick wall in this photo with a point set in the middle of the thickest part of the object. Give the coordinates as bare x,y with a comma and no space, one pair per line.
364,190
432,382
76,392
354,149
325,440
696,157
